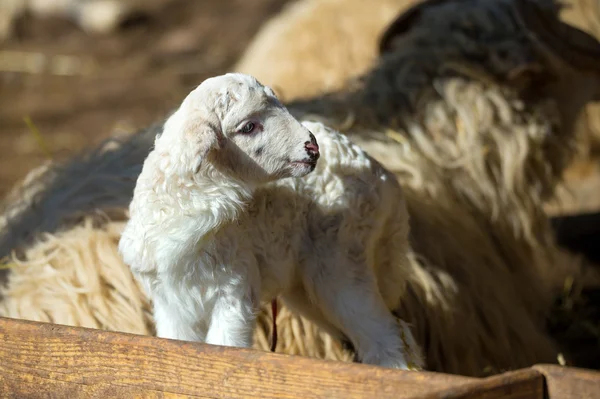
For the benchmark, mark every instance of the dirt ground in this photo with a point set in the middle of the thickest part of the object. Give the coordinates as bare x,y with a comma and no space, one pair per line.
91,86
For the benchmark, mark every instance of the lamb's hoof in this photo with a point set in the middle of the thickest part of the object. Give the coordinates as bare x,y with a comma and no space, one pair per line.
413,367
347,345
389,360
412,350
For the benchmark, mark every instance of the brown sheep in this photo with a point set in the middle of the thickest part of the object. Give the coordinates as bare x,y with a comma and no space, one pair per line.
472,105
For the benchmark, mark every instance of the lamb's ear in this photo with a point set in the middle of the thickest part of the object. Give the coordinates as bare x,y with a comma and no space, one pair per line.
203,136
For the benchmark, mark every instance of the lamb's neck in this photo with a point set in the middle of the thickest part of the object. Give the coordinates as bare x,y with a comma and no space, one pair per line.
225,198
213,201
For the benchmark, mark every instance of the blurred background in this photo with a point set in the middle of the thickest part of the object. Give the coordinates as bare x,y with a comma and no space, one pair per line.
78,71
75,72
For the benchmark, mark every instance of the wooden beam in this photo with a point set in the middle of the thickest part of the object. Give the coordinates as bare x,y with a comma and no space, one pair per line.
570,382
520,384
42,360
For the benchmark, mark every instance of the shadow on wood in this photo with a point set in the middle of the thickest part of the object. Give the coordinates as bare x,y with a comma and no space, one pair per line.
520,384
570,383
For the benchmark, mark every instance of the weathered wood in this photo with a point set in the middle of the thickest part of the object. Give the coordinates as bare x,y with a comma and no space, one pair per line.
520,384
49,360
570,382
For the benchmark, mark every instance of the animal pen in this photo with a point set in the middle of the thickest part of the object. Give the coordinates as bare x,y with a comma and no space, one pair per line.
505,94
42,360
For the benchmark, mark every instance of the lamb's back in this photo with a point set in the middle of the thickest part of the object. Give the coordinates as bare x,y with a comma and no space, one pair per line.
348,189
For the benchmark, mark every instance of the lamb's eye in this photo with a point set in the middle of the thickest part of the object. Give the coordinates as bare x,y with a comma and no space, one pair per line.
248,128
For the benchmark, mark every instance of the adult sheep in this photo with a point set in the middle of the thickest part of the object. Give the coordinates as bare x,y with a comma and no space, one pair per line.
316,46
476,117
304,61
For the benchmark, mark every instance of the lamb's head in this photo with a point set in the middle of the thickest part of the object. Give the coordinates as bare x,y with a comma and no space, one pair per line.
238,126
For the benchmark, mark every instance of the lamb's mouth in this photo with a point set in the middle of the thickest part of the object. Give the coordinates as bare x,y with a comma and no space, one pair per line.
307,162
312,164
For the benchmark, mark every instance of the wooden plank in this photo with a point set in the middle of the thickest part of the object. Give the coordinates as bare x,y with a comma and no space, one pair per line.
39,387
520,384
570,382
49,360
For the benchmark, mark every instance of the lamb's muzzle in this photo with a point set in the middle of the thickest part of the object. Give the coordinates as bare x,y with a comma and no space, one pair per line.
312,149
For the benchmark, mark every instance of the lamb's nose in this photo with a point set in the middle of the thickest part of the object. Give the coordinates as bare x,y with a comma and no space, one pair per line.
312,147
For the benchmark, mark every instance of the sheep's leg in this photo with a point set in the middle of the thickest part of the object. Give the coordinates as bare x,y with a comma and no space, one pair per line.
297,301
356,307
232,321
174,323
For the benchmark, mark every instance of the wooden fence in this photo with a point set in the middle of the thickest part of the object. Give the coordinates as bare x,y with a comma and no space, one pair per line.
48,360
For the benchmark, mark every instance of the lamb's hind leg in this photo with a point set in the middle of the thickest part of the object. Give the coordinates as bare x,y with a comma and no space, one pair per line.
233,319
298,301
352,302
174,322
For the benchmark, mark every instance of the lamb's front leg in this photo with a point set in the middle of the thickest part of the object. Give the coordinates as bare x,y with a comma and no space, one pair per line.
233,319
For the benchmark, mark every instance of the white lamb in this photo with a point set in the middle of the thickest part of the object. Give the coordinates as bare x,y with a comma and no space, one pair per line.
226,214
